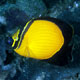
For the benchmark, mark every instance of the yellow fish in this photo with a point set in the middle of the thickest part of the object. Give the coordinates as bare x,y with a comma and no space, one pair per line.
41,38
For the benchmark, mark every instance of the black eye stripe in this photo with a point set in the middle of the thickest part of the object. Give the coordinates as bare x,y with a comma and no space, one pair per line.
21,37
27,27
16,43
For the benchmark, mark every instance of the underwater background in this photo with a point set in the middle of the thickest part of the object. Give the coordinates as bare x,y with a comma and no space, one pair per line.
13,15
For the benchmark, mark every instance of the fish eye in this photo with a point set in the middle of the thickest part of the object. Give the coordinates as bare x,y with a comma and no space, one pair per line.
16,38
10,40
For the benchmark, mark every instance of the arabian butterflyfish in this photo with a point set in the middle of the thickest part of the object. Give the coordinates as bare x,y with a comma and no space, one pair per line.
42,38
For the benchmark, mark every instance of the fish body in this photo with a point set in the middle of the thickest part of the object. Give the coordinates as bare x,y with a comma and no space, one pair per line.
42,38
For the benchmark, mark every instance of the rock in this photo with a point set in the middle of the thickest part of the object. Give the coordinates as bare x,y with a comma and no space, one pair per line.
11,1
31,7
15,18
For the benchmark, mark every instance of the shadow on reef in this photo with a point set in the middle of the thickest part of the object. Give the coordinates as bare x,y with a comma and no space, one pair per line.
15,18
9,58
49,3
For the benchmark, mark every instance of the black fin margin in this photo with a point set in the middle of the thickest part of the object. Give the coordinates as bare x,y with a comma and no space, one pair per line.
62,57
66,29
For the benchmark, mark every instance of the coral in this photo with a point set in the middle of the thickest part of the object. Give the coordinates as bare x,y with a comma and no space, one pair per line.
15,14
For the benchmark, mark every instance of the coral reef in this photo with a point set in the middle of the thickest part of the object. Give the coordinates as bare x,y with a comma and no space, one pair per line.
14,15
